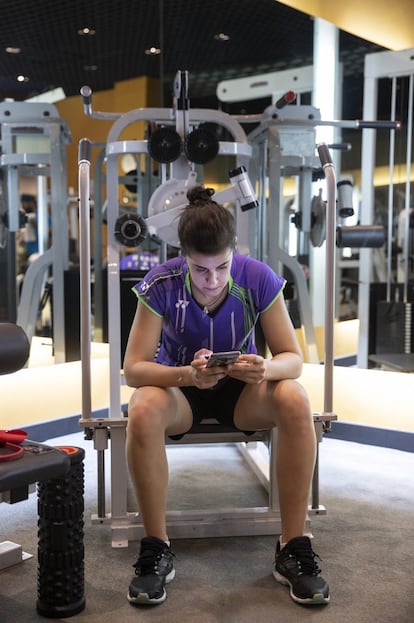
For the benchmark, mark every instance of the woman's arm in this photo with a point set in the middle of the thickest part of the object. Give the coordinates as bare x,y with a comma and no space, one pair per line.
279,334
281,339
139,366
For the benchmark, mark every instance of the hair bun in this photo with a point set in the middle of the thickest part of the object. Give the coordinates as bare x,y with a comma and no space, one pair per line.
199,194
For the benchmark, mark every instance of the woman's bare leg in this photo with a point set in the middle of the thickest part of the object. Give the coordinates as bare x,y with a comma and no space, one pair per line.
284,404
152,413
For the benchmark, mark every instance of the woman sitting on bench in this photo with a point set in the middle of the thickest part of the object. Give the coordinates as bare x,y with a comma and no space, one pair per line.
209,299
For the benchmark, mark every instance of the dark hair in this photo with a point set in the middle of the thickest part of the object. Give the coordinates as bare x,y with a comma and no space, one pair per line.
205,226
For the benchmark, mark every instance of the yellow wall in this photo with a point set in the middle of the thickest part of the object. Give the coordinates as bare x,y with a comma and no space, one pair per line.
389,24
126,95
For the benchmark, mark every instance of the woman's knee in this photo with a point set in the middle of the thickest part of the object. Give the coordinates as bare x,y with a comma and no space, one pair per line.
147,411
293,404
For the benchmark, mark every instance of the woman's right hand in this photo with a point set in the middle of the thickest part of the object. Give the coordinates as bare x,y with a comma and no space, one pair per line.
203,377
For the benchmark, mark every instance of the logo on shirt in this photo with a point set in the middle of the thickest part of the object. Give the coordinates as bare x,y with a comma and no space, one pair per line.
181,304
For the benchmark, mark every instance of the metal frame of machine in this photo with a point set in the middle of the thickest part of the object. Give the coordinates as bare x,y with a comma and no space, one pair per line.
33,143
126,525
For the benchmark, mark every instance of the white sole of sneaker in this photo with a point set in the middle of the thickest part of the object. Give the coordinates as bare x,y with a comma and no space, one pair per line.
143,599
318,599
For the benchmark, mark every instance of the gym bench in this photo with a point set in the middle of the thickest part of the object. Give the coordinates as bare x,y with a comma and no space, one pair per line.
258,449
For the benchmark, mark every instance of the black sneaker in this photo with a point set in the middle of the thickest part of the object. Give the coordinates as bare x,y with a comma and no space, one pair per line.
153,569
295,566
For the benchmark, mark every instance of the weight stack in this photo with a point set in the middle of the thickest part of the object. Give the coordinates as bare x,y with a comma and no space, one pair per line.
60,579
395,329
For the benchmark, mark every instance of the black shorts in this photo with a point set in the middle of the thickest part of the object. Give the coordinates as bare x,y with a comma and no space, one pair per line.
217,403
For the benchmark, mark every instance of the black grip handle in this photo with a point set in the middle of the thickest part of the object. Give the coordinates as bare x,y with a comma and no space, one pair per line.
86,93
380,125
286,99
360,236
340,146
84,152
324,154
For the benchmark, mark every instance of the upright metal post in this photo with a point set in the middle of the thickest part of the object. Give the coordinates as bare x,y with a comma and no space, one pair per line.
100,435
330,270
84,162
329,170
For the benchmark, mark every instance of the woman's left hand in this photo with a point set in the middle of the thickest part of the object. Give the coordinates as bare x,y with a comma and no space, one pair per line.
249,368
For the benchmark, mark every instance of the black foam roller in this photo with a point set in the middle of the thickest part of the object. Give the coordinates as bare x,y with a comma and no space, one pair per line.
60,578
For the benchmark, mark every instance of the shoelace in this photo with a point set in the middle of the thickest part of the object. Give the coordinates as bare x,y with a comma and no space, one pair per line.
305,558
148,561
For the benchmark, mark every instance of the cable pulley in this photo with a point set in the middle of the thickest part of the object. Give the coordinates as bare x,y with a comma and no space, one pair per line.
130,230
201,146
164,145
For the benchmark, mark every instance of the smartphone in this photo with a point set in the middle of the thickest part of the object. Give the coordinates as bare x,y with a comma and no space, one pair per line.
223,359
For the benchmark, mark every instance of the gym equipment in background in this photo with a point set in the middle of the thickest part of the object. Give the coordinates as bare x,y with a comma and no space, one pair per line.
59,474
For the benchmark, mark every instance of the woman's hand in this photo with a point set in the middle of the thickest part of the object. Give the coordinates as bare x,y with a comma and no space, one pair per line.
201,376
249,368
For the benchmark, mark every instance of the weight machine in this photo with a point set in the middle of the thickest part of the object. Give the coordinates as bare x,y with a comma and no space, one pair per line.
177,143
283,144
387,75
33,143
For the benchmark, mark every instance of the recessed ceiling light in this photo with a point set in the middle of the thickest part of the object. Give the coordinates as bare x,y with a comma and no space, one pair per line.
221,37
22,78
153,51
12,50
86,31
